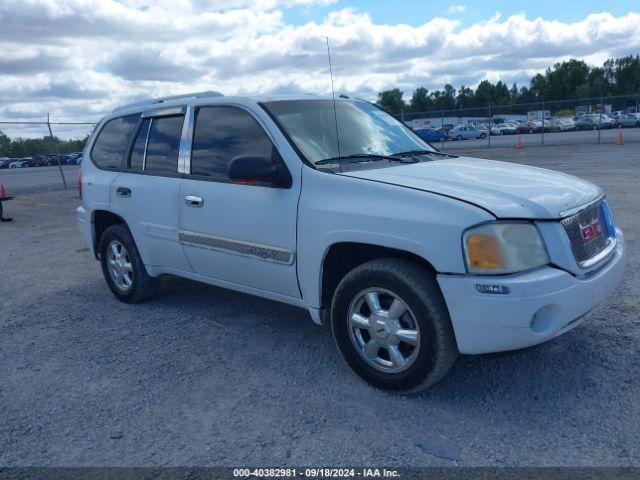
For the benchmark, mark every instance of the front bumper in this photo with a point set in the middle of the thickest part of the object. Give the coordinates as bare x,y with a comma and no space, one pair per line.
541,305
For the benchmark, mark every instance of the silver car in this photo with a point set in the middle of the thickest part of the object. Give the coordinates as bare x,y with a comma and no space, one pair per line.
464,132
628,120
593,121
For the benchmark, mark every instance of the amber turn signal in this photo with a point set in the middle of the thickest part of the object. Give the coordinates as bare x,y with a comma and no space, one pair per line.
484,251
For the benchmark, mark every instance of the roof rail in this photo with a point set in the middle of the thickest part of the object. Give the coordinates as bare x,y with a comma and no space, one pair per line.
152,101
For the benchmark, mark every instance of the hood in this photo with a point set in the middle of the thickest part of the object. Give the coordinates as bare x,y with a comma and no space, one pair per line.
507,190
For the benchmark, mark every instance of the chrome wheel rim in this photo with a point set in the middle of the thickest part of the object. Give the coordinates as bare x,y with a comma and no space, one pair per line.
119,266
383,330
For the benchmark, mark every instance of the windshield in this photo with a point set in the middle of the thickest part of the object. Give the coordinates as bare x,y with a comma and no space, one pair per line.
363,128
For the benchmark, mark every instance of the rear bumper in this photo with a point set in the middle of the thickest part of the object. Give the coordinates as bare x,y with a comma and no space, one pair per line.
541,305
83,217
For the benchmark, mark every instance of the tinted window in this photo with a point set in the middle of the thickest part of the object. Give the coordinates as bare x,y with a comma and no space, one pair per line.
112,141
136,159
222,133
163,145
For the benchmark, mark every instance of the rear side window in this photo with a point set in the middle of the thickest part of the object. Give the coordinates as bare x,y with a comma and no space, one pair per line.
112,141
222,133
163,145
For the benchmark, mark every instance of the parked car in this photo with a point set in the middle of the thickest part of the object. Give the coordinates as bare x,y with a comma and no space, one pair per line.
464,132
37,161
431,134
628,120
52,160
531,126
411,255
556,124
593,121
504,128
5,162
19,164
510,128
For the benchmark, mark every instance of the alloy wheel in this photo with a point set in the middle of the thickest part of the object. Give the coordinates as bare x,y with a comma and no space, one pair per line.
383,330
119,266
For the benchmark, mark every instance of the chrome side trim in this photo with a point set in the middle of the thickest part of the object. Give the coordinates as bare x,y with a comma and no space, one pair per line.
186,138
238,247
571,212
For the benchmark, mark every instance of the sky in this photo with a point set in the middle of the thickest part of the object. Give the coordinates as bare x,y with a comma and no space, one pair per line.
78,59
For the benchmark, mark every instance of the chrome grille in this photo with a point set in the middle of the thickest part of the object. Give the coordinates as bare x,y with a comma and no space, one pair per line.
583,249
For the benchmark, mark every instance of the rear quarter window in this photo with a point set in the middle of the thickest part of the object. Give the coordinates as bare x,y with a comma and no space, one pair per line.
112,141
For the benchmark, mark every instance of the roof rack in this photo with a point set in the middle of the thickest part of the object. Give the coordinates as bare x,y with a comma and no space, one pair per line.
153,101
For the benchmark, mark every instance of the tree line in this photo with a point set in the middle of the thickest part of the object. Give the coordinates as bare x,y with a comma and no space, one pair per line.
565,80
22,147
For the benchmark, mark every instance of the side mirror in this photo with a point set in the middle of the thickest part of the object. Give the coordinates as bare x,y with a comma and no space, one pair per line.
252,169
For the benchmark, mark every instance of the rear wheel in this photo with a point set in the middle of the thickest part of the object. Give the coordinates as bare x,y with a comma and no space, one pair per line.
122,267
391,324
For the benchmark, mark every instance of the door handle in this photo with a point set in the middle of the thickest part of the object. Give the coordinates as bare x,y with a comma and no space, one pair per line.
193,201
123,192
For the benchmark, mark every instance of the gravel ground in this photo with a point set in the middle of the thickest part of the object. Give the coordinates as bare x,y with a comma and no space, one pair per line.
203,376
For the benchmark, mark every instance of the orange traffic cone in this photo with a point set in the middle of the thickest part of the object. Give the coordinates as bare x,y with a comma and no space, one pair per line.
4,196
519,143
619,140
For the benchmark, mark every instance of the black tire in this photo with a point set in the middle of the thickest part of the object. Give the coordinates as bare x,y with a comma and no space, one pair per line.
417,288
143,286
459,137
595,127
483,135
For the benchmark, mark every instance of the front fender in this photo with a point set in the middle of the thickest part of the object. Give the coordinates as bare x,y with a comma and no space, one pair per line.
335,209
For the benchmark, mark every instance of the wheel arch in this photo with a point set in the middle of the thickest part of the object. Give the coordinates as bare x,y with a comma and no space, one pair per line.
101,220
341,257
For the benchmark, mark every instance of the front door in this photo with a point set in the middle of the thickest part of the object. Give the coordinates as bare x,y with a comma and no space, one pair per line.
244,234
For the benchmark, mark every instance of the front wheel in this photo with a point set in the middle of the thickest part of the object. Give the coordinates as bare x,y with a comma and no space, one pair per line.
392,326
123,268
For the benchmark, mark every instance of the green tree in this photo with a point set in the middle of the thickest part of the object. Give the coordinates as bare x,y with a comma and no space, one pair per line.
420,101
623,74
392,101
485,94
465,98
5,145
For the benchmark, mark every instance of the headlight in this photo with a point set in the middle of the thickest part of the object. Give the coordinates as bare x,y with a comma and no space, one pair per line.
500,248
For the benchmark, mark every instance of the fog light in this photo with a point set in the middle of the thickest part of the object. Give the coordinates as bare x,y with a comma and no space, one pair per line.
493,289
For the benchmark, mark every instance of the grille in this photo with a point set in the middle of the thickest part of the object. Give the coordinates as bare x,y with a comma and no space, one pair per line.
583,249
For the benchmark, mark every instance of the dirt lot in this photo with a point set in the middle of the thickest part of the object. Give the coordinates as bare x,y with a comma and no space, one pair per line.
203,376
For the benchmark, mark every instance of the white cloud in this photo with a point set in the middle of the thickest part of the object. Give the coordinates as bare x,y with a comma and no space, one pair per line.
79,58
456,9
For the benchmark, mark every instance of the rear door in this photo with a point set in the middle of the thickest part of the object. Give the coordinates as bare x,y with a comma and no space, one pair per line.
146,190
244,234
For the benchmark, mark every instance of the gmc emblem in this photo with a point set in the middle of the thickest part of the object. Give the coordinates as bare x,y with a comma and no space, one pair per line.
591,231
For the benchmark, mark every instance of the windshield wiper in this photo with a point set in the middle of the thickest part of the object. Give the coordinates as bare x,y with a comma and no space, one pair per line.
423,152
364,157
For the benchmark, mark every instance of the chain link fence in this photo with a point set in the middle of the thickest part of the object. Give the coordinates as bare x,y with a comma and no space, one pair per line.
27,145
598,120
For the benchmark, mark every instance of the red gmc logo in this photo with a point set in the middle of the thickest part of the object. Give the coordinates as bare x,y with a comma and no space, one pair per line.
591,231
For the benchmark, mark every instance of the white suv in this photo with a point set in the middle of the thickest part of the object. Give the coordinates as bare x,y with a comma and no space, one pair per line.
411,255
